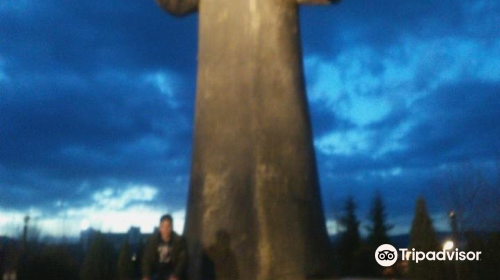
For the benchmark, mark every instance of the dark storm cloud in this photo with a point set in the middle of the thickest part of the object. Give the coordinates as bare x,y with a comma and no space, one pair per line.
456,123
328,30
82,107
85,36
453,122
100,117
99,131
324,120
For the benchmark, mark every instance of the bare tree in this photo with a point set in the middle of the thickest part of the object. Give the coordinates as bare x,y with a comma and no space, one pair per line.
470,195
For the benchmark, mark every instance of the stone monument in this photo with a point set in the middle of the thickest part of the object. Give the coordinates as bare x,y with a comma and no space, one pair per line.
254,208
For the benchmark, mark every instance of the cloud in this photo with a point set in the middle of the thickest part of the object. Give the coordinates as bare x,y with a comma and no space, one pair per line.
90,35
456,124
110,209
116,127
119,199
369,88
390,106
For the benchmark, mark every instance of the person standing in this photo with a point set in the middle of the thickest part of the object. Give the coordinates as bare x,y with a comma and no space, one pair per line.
165,254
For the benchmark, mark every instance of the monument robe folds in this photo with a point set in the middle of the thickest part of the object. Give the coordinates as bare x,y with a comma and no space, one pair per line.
254,209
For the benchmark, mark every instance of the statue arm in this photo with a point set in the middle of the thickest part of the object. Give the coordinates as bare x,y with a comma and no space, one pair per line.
179,7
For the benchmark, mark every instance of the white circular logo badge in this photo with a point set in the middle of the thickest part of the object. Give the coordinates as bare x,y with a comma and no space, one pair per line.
386,255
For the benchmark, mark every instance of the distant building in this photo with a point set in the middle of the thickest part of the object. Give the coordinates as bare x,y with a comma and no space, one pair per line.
134,235
86,237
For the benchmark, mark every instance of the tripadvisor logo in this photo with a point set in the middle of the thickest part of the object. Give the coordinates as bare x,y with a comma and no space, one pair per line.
387,255
439,255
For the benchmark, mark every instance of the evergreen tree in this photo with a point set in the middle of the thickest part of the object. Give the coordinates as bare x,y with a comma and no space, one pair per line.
377,235
378,228
349,239
97,264
423,238
125,269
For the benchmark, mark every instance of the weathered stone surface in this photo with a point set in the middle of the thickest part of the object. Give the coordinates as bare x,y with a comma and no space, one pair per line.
254,208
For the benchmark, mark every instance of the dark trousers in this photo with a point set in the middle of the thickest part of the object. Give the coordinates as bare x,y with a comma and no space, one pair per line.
164,272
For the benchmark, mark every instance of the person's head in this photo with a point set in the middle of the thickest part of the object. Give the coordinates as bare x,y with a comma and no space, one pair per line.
166,225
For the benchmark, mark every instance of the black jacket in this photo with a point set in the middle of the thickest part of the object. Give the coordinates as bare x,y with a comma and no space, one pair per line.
150,258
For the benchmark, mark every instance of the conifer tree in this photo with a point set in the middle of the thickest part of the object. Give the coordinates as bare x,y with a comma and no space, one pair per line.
378,228
349,239
423,238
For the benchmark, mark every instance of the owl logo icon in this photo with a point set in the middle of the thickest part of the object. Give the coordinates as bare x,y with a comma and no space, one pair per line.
386,255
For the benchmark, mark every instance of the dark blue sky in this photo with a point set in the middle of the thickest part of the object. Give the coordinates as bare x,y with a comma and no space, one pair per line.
97,102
